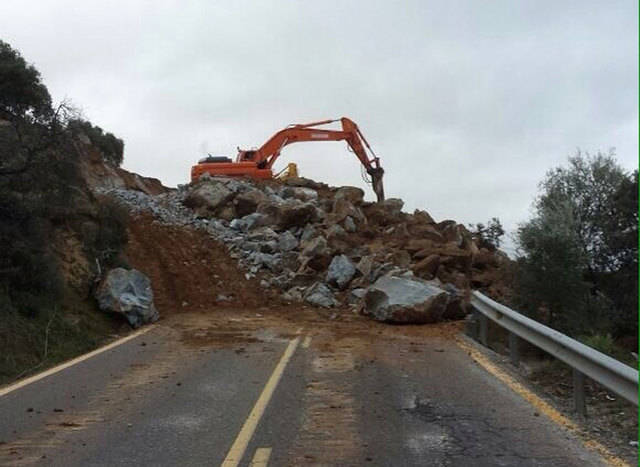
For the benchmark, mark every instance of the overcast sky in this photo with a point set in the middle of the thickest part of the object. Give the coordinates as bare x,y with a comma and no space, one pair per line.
467,104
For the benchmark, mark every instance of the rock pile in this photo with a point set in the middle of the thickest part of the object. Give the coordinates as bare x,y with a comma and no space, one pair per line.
328,247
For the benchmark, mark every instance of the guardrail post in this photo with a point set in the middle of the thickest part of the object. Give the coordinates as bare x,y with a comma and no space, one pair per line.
471,325
579,400
513,349
484,330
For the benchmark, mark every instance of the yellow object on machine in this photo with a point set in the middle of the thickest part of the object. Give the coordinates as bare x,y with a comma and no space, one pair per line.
290,171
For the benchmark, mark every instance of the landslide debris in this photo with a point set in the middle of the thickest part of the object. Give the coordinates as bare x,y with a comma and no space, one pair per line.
305,242
189,270
129,293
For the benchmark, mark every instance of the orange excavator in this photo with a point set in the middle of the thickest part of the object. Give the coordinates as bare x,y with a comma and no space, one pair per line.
257,163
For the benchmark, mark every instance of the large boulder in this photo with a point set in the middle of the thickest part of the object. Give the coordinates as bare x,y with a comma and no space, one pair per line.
301,193
291,213
428,232
393,205
385,213
405,300
207,199
303,182
129,293
247,202
320,295
352,194
340,272
422,217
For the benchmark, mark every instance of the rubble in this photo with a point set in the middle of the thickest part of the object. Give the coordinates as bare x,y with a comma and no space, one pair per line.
328,247
320,295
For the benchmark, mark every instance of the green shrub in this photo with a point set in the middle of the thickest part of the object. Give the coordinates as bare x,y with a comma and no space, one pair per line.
601,342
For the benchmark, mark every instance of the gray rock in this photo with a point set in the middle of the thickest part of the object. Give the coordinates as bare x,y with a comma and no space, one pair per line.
405,300
314,247
308,233
289,213
263,234
359,293
301,193
335,231
303,182
294,294
342,208
355,296
287,241
290,260
349,224
320,295
340,272
247,202
248,222
127,292
207,198
249,246
351,193
365,265
270,246
269,261
393,205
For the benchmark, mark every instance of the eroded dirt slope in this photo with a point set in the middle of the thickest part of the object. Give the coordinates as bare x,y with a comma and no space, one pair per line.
189,270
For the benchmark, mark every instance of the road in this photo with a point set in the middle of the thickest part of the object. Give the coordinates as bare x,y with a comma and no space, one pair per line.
246,388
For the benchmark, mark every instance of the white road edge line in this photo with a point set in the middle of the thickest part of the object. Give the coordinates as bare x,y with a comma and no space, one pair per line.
32,379
246,433
261,457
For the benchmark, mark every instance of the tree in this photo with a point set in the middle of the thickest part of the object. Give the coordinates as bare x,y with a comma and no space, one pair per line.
488,236
23,96
583,235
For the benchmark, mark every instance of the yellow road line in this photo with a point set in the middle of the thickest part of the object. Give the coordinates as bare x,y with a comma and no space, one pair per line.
541,406
242,440
306,342
32,379
261,457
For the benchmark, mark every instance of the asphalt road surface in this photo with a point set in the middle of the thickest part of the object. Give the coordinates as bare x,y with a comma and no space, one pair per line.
248,389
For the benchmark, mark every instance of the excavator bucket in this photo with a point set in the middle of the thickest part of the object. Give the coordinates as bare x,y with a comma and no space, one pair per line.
376,183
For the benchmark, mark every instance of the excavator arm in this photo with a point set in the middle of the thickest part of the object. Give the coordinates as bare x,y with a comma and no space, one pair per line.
266,155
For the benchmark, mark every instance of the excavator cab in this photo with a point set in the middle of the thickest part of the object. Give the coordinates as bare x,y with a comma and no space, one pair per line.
246,155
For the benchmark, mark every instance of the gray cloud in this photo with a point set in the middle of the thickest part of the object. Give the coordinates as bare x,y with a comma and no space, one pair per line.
467,103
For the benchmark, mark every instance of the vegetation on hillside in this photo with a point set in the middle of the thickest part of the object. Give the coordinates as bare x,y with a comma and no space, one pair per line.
41,194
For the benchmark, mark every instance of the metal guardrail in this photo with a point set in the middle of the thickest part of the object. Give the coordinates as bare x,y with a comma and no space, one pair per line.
612,374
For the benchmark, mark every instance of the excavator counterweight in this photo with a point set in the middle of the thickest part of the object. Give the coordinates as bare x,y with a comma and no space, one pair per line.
258,163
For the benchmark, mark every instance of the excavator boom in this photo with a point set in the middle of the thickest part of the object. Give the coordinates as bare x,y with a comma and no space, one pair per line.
258,163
